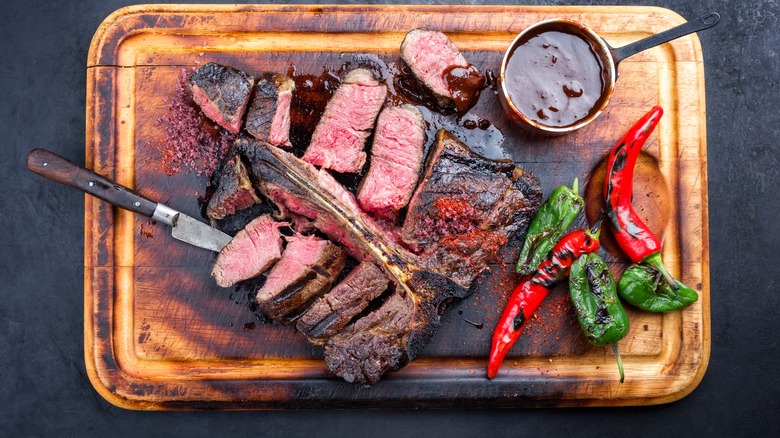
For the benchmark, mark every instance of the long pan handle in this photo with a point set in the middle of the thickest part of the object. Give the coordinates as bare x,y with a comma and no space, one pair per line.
56,168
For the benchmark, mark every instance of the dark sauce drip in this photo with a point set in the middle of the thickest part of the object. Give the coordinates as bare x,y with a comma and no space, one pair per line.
491,81
478,325
312,93
479,134
465,83
409,89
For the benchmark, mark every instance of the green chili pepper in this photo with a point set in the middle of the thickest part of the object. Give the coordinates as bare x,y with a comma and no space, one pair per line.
547,227
594,295
645,287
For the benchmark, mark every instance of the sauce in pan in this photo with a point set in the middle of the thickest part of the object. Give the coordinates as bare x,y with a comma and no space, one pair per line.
555,76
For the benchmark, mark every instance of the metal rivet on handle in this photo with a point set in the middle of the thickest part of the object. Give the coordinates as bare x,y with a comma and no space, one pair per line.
137,204
45,164
91,183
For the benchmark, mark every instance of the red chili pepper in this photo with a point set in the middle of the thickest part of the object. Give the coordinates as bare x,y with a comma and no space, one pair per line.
633,236
527,297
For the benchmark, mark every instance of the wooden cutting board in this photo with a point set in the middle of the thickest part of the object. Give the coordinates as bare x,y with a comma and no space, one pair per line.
159,334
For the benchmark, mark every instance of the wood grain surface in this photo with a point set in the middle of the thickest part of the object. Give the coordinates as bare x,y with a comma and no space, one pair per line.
159,333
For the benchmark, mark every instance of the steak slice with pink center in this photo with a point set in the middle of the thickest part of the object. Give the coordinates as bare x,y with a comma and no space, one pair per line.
308,268
268,118
250,253
429,54
396,158
339,140
222,93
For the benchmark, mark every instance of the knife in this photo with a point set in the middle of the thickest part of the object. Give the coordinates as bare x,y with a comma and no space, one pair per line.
184,228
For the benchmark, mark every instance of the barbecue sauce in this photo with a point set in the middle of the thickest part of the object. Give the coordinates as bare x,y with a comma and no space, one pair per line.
311,95
465,83
555,76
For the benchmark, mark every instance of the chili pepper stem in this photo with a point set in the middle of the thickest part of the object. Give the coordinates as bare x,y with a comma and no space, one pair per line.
655,261
619,361
575,186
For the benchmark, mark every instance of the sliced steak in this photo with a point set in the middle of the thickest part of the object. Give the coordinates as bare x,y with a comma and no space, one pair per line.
250,253
339,139
308,268
335,309
466,208
396,158
298,187
268,118
234,191
373,345
222,93
429,54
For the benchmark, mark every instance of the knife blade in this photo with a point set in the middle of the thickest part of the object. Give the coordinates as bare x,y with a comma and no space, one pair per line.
183,227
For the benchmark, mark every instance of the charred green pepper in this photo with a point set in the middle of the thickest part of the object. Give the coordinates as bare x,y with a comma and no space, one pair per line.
594,296
547,227
645,287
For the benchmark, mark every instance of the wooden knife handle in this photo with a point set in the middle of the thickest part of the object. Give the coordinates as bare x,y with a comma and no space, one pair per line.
56,168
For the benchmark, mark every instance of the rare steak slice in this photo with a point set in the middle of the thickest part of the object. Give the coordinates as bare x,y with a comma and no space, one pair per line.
268,118
250,253
466,208
222,93
429,54
339,139
334,310
396,158
308,268
234,191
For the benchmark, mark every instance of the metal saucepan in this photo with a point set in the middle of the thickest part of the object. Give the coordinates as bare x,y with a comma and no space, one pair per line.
608,57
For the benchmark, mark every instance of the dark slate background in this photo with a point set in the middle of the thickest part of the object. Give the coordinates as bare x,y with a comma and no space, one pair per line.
44,389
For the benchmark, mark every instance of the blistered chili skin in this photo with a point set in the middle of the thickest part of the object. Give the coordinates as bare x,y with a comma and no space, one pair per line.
548,225
556,77
527,297
594,295
631,233
644,287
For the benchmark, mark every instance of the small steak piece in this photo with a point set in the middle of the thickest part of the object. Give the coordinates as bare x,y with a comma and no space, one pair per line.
373,345
430,54
308,268
396,159
334,310
250,253
466,208
234,191
268,118
339,139
222,93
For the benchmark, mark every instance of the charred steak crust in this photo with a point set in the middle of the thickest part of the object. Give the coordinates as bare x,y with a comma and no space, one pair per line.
373,345
339,139
268,117
234,191
396,158
466,208
222,93
429,54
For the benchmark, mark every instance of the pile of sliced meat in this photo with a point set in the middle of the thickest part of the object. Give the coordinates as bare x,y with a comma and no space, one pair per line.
418,237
